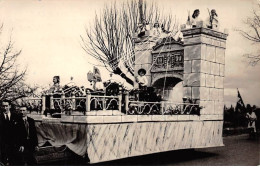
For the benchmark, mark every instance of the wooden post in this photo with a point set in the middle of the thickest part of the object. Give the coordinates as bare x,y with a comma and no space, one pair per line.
73,101
96,103
51,102
88,96
126,101
63,101
43,103
120,100
104,103
162,107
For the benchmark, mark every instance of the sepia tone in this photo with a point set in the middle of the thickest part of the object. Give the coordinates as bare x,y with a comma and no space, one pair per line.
134,82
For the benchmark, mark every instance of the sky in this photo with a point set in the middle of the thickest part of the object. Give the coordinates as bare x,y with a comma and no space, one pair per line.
48,33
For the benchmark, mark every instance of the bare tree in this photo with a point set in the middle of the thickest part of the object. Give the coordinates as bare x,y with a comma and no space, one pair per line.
110,38
253,34
11,77
20,91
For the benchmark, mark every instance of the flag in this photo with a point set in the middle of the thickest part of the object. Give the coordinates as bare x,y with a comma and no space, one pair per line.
240,107
123,68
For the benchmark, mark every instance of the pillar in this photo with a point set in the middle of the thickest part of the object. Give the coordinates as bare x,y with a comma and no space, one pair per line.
204,67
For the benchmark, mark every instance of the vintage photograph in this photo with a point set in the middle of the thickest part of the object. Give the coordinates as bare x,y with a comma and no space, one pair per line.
129,83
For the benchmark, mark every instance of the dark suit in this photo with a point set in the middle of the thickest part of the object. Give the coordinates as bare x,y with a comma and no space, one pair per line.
8,138
28,139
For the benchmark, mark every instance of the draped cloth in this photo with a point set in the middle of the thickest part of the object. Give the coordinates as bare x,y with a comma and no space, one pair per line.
74,136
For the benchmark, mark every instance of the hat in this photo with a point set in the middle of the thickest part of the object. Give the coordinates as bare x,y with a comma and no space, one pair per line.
213,10
141,70
57,77
196,10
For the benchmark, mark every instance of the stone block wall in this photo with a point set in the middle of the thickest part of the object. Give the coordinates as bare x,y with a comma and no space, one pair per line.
204,67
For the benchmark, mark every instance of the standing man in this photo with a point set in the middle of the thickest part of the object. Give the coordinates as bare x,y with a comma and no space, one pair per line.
251,116
27,138
8,133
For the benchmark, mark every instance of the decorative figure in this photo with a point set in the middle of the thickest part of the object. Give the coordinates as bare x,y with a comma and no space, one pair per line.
156,29
140,30
212,20
178,37
56,87
194,19
91,84
95,80
112,86
99,84
71,83
146,25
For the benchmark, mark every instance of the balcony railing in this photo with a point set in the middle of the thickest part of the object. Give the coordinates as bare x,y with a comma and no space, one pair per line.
68,103
163,107
105,102
34,104
121,102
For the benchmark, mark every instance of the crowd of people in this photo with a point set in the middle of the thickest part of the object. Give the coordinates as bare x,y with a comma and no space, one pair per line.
18,137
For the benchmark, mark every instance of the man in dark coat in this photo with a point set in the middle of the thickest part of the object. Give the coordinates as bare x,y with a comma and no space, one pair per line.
8,133
28,140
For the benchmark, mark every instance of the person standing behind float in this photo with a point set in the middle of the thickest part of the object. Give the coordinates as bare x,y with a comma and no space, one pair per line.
28,141
8,133
251,116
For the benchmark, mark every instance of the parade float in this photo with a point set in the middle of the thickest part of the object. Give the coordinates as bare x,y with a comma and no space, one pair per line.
116,123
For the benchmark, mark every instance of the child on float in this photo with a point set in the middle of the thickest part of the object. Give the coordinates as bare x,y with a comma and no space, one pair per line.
142,83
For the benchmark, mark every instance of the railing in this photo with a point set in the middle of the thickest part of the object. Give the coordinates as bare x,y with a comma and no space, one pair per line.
65,104
34,104
85,104
163,107
105,102
93,102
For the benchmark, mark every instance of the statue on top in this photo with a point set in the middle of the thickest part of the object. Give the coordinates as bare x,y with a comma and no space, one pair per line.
56,87
194,19
212,20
